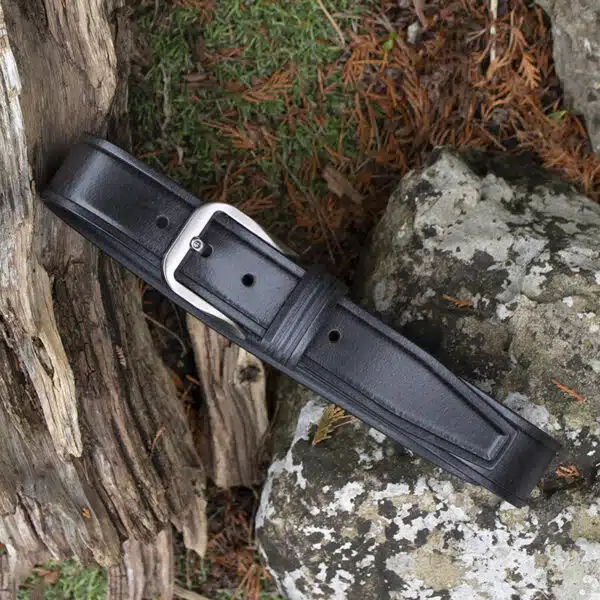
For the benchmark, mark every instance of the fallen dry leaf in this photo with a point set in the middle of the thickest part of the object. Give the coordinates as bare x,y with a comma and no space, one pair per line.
49,576
339,185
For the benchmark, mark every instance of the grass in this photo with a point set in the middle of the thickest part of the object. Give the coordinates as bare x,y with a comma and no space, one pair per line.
222,112
238,43
66,581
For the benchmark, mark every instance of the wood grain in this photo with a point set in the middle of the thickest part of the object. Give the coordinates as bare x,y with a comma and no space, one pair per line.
8,589
77,474
233,382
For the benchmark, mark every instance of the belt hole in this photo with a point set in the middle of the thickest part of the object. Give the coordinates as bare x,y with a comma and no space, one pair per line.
162,221
334,336
248,280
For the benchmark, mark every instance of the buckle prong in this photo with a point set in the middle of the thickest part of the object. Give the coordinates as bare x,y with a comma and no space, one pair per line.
197,245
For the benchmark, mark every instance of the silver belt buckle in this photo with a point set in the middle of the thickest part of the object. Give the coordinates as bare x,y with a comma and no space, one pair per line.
190,238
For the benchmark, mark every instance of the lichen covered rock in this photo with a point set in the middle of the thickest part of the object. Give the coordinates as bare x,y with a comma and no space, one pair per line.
356,516
576,37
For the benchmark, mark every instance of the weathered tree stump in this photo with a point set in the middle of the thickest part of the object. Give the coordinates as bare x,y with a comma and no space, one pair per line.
233,382
83,393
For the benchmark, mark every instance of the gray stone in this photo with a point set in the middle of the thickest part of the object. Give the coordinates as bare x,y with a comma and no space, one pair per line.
576,34
356,517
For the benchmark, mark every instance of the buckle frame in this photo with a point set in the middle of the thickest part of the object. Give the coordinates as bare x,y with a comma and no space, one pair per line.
187,240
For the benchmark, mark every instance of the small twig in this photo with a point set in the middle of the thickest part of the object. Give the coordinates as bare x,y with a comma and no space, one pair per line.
420,10
184,349
155,14
494,11
333,23
226,181
166,99
181,592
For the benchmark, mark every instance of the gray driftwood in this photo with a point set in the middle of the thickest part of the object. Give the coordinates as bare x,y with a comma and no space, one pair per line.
82,391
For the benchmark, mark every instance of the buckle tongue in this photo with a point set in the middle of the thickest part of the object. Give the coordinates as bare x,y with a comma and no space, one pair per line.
190,238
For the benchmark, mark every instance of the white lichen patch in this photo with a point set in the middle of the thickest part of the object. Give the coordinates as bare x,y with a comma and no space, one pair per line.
446,545
376,435
340,583
536,413
503,312
484,557
383,294
289,585
309,415
365,562
391,491
369,458
369,449
577,258
344,498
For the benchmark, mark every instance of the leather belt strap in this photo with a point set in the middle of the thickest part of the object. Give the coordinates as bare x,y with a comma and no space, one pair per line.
299,321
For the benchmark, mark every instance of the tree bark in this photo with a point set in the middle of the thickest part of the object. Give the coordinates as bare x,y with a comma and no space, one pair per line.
83,392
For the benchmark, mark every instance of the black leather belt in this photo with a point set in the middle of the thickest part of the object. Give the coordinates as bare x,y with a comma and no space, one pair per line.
220,266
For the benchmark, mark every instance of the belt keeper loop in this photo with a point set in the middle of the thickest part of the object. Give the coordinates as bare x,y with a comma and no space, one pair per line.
302,315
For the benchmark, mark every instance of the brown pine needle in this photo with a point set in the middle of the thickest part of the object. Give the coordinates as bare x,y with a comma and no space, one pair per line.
194,380
333,418
567,472
530,72
160,431
333,22
271,89
459,303
569,391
